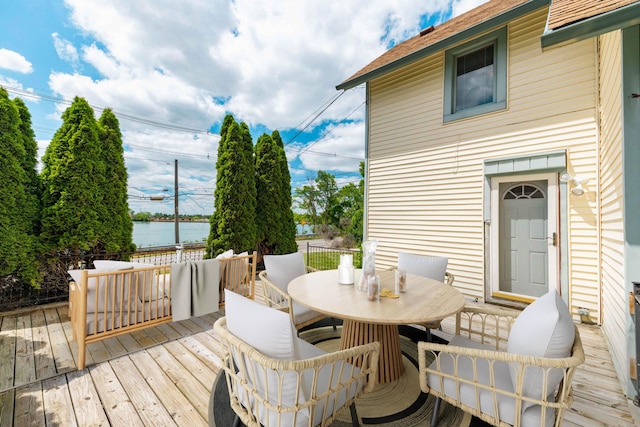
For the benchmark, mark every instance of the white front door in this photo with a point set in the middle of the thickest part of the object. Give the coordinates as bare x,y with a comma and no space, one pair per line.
524,234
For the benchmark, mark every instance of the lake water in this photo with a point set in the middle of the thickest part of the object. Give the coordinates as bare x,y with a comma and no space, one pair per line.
163,233
153,233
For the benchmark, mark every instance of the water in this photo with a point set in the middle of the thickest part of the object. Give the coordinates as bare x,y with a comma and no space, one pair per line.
153,233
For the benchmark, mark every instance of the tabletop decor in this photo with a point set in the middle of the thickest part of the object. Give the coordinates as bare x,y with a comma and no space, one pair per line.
368,263
346,271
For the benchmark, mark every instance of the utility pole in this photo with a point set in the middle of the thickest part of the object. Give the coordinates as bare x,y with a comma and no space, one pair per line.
175,202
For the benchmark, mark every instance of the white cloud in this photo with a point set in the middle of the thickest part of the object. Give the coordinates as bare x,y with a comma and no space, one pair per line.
270,63
10,60
458,7
65,49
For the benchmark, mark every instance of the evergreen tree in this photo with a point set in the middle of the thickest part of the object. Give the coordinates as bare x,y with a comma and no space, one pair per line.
118,237
33,187
73,177
17,244
287,242
269,215
233,223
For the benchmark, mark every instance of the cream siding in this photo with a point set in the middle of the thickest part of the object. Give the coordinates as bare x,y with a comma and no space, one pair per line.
426,177
614,295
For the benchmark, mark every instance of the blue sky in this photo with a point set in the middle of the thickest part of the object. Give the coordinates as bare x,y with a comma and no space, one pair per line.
172,70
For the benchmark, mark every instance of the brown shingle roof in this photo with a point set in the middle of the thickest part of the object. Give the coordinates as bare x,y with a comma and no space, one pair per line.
562,13
566,12
440,32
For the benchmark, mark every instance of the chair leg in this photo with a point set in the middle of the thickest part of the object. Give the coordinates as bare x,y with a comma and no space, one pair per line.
354,415
333,323
427,333
436,410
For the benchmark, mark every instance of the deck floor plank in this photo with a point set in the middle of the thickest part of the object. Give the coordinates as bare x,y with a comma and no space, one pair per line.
25,365
6,407
202,371
113,396
86,402
29,405
141,394
177,370
57,402
169,332
7,351
177,404
129,343
202,349
188,385
45,365
142,337
60,346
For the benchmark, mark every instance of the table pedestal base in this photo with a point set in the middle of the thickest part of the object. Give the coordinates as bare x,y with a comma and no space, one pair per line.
390,366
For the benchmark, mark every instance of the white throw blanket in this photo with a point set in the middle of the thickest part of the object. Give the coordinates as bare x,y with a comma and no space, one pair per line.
194,288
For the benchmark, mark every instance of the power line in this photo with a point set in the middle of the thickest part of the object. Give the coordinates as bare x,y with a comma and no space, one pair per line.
120,115
322,110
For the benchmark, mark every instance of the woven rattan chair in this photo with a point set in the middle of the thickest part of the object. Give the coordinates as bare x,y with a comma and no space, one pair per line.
275,378
279,271
505,387
427,266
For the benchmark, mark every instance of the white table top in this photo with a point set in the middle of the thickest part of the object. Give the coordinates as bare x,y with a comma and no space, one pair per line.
426,299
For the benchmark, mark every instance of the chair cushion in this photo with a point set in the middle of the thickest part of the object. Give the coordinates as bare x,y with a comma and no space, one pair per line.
502,380
433,267
147,283
225,254
267,330
302,314
103,303
544,329
282,269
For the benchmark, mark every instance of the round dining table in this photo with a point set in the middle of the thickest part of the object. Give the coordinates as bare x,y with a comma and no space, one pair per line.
366,321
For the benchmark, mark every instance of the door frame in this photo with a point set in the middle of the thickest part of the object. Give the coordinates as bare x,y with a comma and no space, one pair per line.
553,226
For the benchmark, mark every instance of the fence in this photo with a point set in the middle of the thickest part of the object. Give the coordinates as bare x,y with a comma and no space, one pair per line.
55,287
324,258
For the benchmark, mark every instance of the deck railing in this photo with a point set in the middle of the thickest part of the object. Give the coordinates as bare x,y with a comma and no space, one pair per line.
326,258
14,294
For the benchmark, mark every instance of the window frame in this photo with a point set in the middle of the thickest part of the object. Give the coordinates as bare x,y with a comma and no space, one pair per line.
498,39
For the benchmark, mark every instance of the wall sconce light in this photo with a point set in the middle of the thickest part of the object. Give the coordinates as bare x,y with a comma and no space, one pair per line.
577,190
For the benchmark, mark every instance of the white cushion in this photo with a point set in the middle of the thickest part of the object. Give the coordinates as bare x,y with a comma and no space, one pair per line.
225,254
148,286
103,304
433,267
270,332
282,269
265,329
543,329
502,380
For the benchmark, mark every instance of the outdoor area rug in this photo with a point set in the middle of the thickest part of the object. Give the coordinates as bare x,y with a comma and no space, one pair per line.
398,404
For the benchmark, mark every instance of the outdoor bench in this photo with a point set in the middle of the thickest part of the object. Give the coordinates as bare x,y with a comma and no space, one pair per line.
117,297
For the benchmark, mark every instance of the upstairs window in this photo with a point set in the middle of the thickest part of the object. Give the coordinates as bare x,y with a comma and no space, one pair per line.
476,77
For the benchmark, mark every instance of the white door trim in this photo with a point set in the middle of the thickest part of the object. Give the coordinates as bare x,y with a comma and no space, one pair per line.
552,228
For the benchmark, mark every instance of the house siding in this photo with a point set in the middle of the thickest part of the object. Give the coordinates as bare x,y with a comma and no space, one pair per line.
614,295
425,177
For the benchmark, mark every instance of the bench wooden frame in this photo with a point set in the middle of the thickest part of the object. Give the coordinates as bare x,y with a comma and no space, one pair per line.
123,301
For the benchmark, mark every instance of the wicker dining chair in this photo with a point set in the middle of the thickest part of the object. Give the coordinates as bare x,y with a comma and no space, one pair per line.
276,379
279,271
506,367
433,267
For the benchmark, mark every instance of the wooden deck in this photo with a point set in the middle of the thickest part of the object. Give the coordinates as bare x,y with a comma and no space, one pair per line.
163,375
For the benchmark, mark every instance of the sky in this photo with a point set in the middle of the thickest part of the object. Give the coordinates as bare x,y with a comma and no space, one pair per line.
171,71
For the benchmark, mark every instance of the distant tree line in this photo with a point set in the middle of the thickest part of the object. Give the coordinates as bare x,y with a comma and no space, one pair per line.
333,211
76,205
